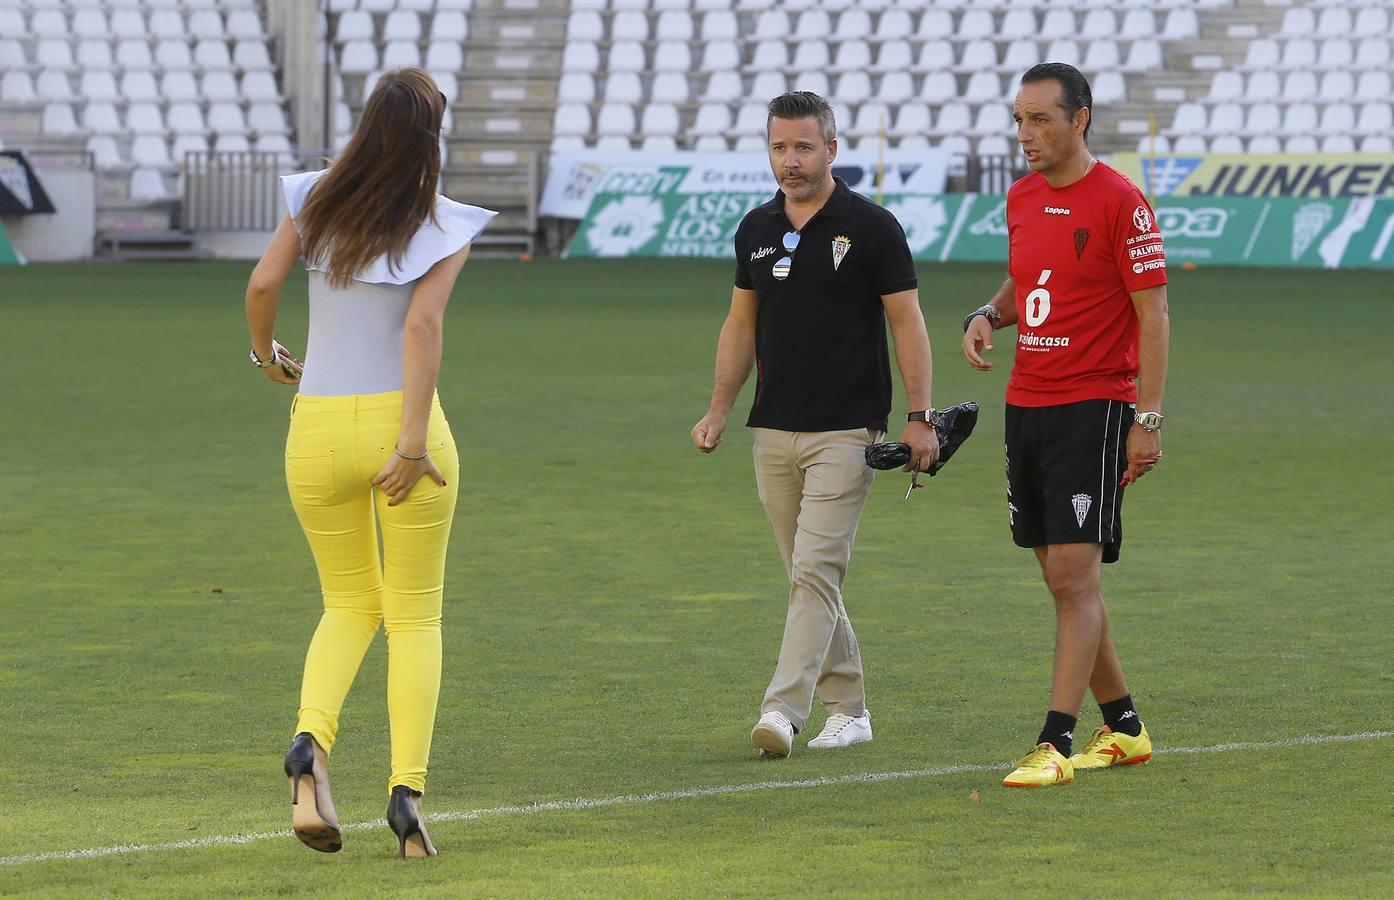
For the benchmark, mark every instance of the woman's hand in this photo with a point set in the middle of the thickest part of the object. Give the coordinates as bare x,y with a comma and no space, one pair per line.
399,475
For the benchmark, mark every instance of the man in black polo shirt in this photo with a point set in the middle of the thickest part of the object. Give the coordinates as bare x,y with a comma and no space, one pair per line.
819,271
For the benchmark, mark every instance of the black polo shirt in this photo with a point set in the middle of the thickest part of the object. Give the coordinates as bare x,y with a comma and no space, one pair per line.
821,358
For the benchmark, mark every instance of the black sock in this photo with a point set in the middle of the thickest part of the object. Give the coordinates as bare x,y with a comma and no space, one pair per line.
1059,730
1121,717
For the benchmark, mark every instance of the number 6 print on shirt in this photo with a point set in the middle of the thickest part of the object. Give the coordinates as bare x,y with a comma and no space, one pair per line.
1038,302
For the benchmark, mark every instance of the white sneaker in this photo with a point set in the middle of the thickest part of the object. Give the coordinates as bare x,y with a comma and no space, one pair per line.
843,731
774,734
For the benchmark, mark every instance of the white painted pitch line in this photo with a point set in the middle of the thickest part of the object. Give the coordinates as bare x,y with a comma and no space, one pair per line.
469,815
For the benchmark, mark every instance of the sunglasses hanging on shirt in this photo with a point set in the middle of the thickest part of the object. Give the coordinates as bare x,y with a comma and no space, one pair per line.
784,263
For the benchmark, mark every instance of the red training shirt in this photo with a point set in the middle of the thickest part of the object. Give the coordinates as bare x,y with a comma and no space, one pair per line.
1075,253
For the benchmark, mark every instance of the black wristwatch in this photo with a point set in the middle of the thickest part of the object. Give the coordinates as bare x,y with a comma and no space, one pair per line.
989,312
928,416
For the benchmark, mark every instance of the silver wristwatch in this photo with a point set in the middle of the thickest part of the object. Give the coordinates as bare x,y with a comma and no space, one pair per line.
263,364
1150,421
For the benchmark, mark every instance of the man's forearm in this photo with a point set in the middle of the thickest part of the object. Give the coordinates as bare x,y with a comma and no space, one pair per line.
1004,301
916,362
1154,338
735,357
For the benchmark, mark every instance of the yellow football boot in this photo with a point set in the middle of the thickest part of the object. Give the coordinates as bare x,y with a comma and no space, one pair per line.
1042,767
1113,748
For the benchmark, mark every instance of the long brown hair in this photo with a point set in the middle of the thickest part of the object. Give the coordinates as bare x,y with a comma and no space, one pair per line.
382,187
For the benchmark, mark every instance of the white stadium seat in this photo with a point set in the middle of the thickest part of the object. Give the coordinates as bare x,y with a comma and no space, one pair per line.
852,55
723,86
267,118
1109,87
626,56
1299,118
1065,50
813,24
1263,86
580,56
1143,56
852,87
935,24
571,118
1101,54
871,118
1337,143
147,184
1226,143
670,87
992,118
204,23
1337,86
1377,143
720,25
1017,23
186,118
711,143
1335,22
983,87
400,25
938,87
623,87
1298,53
1099,23
1225,118
232,143
1337,118
90,23
750,143
358,56
1301,143
139,84
58,120
1020,55
102,118
104,151
1057,23
134,54
658,143
450,25
219,86
53,85
1299,86
1372,53
673,56
48,23
978,54
251,55
976,23
1373,86
1189,144
854,24
97,84
935,56
149,150
894,25
771,25
811,55
1188,118
712,118
616,119
954,118
244,23
1148,145
1138,23
719,55
769,56
896,87
1335,53
91,54
54,53
226,118
660,119
1180,25
399,54
1298,22
1262,118
1374,119
751,118
445,55
1261,54
894,56
448,84
354,25
629,26
673,25
912,118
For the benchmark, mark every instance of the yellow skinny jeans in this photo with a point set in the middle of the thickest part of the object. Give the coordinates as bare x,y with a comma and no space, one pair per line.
335,447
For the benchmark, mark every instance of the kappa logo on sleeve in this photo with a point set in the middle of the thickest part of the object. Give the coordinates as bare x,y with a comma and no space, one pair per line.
1142,219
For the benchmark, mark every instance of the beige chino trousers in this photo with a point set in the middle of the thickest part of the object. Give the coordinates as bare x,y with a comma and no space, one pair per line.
813,486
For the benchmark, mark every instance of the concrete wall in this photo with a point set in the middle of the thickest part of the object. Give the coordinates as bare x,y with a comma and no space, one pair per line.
68,234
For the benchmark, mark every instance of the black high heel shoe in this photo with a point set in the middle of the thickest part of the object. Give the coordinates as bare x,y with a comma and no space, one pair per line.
405,820
312,815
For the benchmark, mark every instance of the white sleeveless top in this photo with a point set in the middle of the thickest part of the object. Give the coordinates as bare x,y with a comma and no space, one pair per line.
355,340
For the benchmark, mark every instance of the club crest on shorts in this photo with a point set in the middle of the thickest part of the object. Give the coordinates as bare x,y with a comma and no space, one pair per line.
1081,502
841,244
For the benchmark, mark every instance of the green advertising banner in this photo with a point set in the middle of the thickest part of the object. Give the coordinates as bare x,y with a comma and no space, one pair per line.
9,253
1343,232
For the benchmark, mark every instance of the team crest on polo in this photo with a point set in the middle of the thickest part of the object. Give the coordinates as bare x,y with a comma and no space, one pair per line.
841,244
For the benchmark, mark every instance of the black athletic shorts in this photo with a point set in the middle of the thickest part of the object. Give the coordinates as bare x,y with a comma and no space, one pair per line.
1063,468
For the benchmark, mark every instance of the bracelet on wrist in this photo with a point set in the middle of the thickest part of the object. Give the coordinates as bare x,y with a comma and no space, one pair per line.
399,452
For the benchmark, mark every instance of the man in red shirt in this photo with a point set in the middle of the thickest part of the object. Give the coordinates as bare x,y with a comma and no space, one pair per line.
1087,292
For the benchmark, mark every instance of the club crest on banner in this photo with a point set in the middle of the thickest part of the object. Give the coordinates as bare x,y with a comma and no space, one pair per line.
841,244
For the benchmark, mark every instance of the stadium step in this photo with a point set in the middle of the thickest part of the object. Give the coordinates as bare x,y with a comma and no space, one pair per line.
122,244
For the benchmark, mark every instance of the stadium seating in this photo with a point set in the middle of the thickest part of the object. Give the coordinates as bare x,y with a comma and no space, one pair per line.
141,83
910,65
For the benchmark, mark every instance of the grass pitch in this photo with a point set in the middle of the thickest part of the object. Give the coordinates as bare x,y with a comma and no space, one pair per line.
614,605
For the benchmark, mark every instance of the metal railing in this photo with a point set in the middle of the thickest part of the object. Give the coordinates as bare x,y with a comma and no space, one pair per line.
238,191
992,174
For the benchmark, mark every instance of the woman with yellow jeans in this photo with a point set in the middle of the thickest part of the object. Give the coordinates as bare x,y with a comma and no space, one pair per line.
369,445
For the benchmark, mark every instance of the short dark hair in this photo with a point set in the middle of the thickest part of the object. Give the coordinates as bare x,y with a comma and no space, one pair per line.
1074,88
804,105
